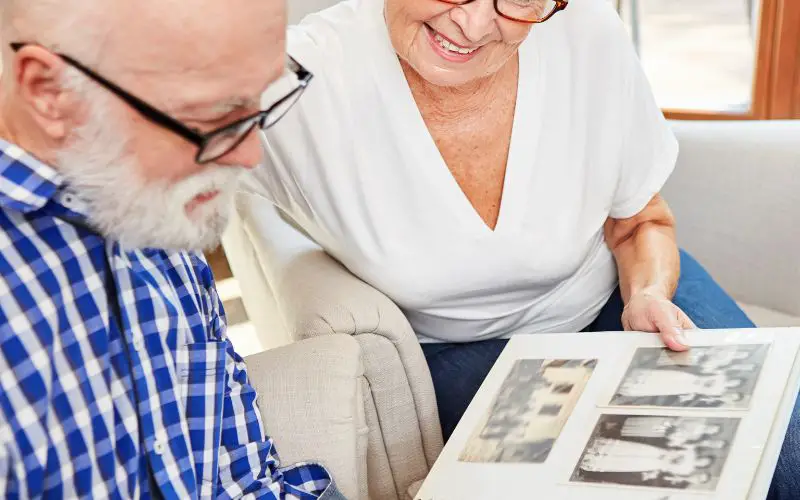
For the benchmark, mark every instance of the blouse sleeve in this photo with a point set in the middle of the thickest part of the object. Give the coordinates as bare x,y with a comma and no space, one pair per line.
649,148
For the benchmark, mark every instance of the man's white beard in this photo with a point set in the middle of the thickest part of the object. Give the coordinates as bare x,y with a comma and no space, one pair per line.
124,207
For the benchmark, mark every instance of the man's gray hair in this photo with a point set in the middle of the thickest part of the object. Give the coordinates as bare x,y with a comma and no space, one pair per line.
70,26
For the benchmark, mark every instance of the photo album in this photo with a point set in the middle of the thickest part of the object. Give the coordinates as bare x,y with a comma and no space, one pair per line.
616,415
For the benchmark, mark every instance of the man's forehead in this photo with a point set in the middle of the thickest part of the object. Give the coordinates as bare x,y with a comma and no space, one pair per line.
191,39
236,46
238,83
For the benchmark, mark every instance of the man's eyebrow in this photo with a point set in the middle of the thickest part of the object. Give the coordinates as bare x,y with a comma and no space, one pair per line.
235,104
220,108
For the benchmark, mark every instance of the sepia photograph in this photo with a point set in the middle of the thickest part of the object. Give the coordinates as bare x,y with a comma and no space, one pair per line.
683,453
532,406
704,377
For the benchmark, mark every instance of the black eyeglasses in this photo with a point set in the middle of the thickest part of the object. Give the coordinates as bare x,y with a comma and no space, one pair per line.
523,11
221,141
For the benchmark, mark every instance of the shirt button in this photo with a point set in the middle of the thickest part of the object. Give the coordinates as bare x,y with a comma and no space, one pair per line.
138,343
159,447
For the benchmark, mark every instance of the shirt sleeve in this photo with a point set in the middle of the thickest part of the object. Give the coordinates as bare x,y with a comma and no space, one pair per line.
649,148
248,461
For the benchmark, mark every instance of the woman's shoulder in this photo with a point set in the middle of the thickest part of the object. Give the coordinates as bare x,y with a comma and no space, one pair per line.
331,35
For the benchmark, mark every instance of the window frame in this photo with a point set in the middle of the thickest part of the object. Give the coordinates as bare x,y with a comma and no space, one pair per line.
776,84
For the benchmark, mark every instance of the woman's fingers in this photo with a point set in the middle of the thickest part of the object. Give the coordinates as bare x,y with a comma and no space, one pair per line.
670,326
685,322
656,314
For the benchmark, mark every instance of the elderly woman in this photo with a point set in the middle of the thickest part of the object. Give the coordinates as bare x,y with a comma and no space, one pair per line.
492,166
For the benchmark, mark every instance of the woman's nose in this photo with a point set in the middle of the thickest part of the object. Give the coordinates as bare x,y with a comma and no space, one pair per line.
477,20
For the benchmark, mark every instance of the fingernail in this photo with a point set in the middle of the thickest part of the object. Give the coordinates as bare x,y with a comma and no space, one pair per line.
681,338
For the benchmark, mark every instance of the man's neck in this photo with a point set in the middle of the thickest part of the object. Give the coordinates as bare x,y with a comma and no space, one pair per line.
6,132
13,131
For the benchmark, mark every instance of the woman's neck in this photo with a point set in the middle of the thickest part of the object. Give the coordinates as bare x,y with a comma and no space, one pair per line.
463,99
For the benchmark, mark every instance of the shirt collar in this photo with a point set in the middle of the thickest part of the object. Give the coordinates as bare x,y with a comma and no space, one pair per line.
26,184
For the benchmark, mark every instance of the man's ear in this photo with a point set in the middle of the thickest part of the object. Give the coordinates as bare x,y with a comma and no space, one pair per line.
38,75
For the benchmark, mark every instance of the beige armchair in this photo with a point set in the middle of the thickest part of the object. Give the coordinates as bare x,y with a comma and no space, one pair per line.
735,193
306,294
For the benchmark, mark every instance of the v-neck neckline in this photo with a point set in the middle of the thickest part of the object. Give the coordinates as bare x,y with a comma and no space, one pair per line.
525,128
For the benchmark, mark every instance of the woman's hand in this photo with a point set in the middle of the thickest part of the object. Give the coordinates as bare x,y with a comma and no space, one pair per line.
649,312
649,265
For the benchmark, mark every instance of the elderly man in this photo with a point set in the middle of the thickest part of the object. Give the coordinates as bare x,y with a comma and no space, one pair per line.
125,125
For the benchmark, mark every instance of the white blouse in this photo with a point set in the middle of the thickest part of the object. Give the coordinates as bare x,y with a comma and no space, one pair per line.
354,164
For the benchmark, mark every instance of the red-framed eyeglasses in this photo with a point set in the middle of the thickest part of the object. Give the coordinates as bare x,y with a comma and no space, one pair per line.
523,11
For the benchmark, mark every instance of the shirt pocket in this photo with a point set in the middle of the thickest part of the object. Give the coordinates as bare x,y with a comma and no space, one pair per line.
201,376
200,362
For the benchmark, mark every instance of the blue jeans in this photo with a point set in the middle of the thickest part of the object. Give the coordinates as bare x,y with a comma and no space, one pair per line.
459,369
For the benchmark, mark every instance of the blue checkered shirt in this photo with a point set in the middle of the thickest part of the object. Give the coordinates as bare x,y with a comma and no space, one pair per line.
87,411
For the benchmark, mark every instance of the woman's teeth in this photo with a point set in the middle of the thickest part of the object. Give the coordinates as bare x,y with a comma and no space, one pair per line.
451,46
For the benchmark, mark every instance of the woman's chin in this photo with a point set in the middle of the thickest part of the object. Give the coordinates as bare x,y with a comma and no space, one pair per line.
444,77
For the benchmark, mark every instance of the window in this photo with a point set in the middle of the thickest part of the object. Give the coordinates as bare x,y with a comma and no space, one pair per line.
725,59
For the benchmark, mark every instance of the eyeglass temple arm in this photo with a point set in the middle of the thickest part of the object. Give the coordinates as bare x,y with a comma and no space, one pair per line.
147,110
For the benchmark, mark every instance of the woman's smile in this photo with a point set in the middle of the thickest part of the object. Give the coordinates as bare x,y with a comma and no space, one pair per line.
447,48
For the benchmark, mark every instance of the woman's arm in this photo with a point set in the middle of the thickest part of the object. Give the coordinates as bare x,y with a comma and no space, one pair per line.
647,257
646,252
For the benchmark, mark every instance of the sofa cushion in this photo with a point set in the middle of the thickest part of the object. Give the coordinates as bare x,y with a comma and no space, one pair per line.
765,318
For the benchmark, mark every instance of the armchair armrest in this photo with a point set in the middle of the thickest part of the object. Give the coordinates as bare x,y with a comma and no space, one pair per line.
309,394
317,297
320,297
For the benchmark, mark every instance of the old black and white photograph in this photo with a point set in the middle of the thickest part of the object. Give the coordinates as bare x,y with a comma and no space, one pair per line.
684,453
704,377
532,406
